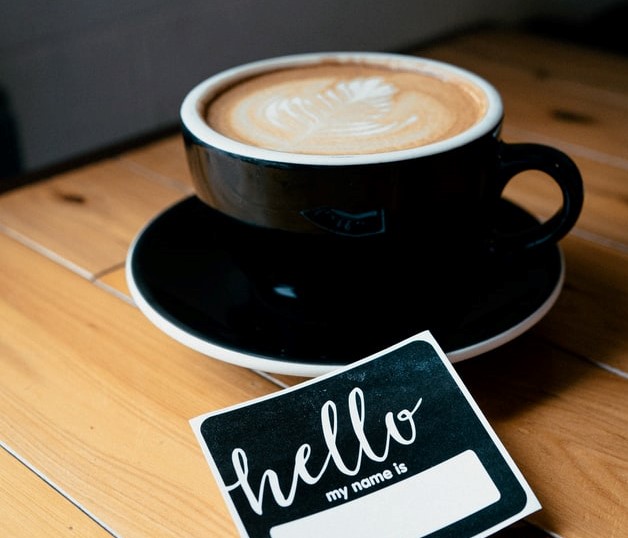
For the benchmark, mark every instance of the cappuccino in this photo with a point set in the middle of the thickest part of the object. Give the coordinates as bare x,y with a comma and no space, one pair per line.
345,108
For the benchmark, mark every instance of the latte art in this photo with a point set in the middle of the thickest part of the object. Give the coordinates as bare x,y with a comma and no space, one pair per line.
359,107
338,109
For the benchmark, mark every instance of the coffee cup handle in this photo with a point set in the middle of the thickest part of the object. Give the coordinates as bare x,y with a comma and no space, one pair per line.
517,158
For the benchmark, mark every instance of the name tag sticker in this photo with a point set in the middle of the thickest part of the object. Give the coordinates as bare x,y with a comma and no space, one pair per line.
392,446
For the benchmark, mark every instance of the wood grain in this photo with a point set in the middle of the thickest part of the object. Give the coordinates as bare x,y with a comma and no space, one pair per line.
99,400
31,507
88,217
547,57
116,281
565,424
590,317
163,160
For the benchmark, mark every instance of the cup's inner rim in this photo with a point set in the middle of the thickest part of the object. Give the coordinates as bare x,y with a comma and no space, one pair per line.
195,103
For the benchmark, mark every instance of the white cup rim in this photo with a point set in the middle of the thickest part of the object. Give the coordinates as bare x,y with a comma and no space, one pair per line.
193,105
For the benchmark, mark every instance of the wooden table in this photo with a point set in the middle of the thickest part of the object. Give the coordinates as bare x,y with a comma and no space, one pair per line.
95,401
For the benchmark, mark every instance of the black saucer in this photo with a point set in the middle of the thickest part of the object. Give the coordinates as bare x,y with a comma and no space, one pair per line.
185,280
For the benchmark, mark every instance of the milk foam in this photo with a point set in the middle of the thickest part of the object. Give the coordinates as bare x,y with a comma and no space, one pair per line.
338,109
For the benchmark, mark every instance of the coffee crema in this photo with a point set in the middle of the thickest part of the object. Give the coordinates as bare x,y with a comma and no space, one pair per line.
345,109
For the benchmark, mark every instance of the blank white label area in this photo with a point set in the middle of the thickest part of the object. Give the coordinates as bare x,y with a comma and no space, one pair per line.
412,508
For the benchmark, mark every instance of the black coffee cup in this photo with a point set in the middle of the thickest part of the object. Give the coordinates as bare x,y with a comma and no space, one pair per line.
333,233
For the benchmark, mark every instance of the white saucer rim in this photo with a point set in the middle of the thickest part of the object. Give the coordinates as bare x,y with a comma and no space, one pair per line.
308,369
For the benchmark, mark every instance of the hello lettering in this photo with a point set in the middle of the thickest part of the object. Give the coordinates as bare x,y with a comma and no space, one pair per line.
348,464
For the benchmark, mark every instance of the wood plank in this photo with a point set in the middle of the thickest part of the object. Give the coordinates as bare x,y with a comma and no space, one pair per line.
546,56
164,160
565,424
30,507
570,111
116,280
86,217
99,400
590,317
288,380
